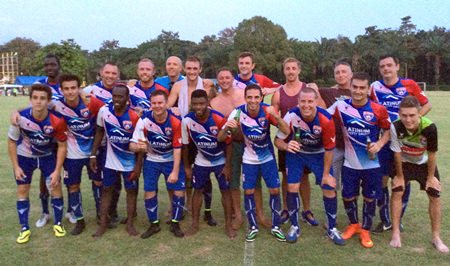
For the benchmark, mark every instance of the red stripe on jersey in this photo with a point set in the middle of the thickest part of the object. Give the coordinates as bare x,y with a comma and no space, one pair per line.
265,82
162,88
270,118
59,126
95,105
328,132
176,131
413,88
382,115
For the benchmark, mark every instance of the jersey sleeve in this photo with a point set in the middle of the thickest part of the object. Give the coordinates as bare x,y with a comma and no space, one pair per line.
184,131
382,116
430,133
176,127
266,82
100,116
138,133
60,127
14,132
395,142
415,90
95,105
269,117
287,118
328,133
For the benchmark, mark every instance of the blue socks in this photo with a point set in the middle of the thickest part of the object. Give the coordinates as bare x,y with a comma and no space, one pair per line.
75,204
23,208
250,211
97,192
151,206
330,205
177,208
275,206
293,204
351,208
368,213
58,207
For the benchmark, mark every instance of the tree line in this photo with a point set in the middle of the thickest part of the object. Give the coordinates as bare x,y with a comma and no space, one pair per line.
424,54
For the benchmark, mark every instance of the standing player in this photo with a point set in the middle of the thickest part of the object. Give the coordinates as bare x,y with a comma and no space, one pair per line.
310,144
102,90
158,133
140,92
80,118
30,146
118,122
415,143
180,96
362,121
201,127
258,159
225,102
284,100
389,92
174,66
341,91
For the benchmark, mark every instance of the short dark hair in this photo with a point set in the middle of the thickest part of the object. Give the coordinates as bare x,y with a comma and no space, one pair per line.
199,94
343,62
224,69
253,86
110,63
247,54
121,86
48,56
410,102
396,60
194,58
41,87
309,90
361,76
69,77
159,92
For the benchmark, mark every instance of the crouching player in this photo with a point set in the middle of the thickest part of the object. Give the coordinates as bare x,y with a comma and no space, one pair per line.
313,140
201,127
414,142
118,122
158,133
362,122
253,120
30,147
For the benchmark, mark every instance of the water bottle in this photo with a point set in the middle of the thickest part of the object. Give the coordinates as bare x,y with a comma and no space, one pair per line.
371,155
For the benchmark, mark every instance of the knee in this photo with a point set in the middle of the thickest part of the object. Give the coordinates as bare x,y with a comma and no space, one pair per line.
97,183
274,191
74,188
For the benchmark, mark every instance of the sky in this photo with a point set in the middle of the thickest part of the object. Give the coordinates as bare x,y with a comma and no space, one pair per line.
90,22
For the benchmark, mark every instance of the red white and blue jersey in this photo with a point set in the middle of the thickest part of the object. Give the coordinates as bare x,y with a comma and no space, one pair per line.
261,80
256,131
166,83
36,138
391,96
118,131
358,123
316,136
140,97
163,137
56,92
100,91
80,122
204,135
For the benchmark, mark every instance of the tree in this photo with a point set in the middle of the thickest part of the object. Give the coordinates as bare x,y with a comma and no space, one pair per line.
436,46
268,41
26,49
73,59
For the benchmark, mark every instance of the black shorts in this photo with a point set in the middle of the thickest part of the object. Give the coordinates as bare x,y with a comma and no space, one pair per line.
418,172
282,163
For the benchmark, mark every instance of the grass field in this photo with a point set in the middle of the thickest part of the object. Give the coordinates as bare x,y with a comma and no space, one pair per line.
210,245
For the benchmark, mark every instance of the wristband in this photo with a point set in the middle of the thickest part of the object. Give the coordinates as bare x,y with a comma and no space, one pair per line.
92,157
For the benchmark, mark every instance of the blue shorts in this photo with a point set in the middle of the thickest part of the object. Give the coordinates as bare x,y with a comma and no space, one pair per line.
73,169
269,171
386,159
152,171
297,162
201,174
46,164
110,177
370,180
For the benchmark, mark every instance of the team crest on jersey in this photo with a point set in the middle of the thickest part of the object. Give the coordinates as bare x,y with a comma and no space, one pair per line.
168,131
401,91
127,125
84,112
317,130
423,140
262,121
214,130
368,116
48,130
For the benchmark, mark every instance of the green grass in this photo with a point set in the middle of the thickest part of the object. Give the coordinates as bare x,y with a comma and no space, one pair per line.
210,245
